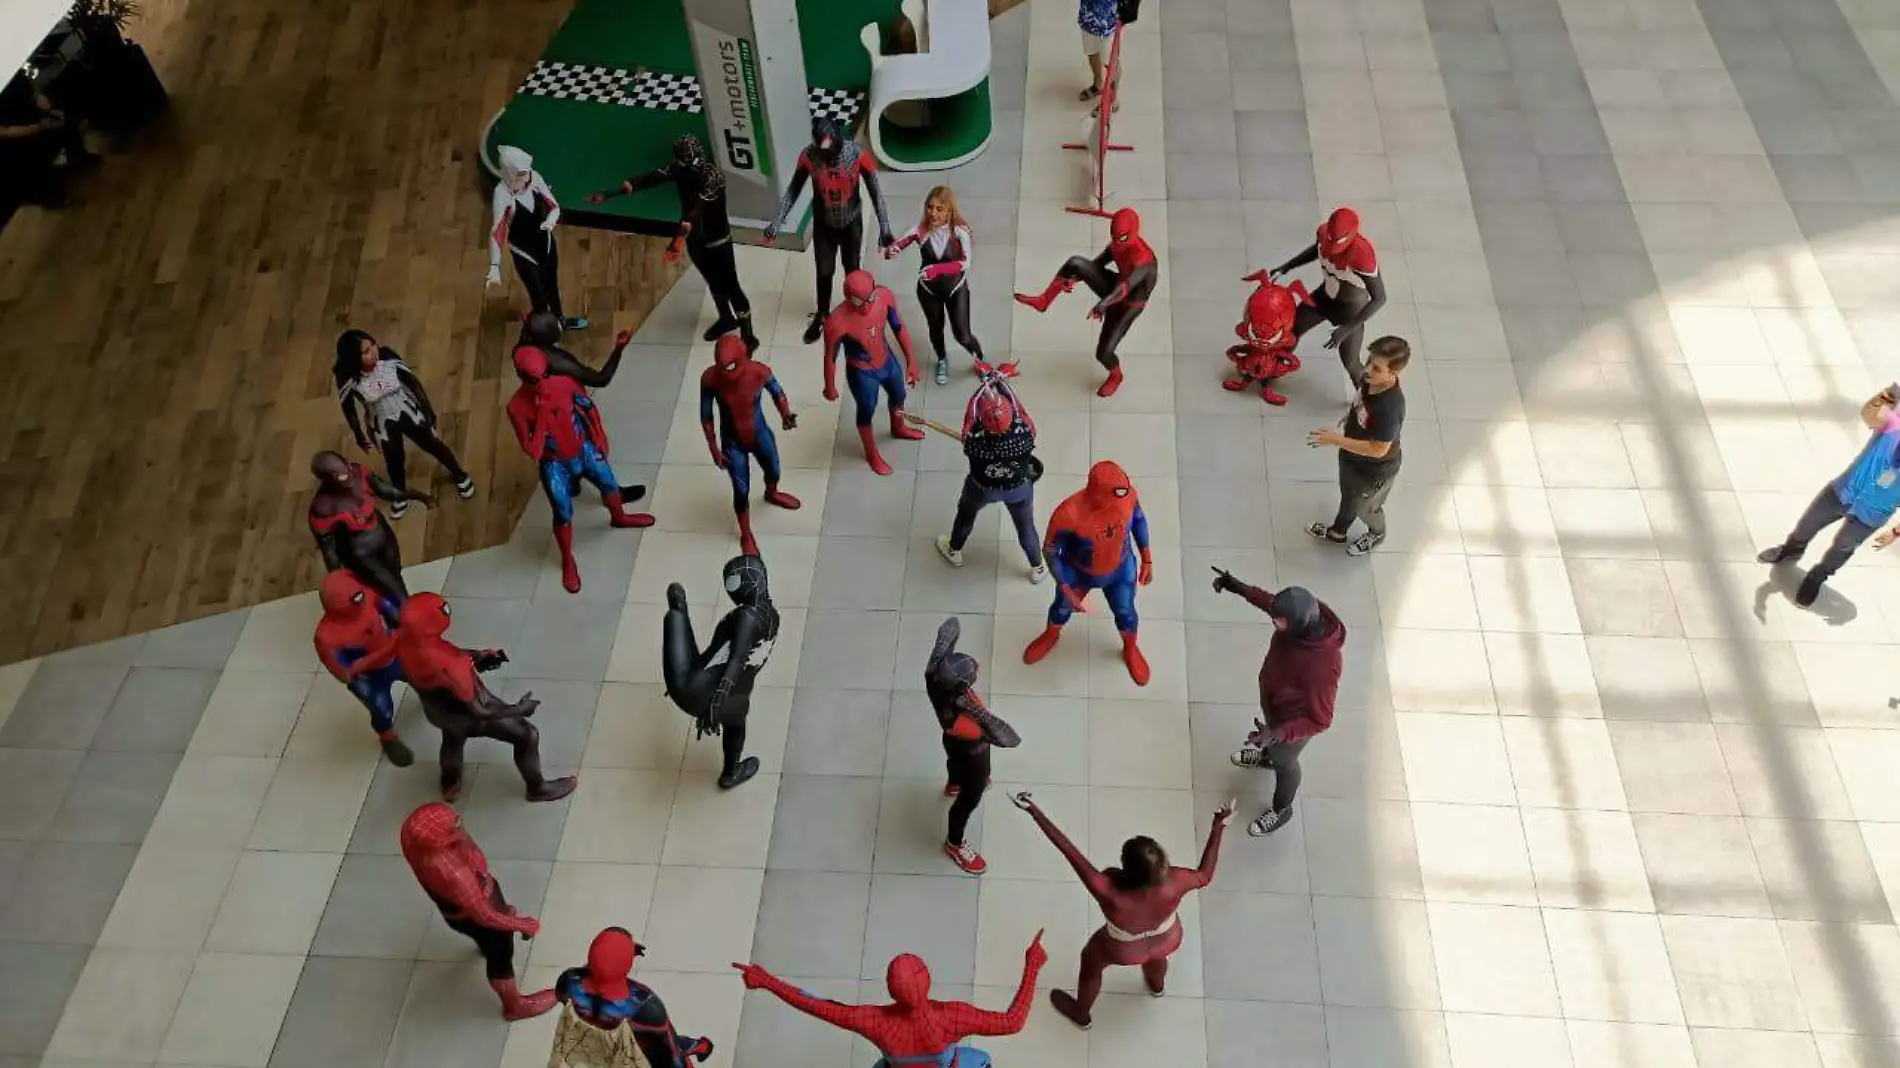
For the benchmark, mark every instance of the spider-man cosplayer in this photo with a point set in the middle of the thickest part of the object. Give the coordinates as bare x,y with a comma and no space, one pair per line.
715,686
1139,900
863,325
999,441
834,164
1352,290
705,230
352,625
969,729
1098,540
914,1031
446,678
1123,275
1267,339
611,1021
454,873
351,534
543,330
559,428
735,387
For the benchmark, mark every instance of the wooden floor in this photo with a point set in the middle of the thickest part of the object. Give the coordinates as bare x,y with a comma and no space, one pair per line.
164,367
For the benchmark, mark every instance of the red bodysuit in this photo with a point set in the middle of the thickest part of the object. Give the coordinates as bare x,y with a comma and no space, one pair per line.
547,406
1346,257
862,319
1267,337
429,661
358,517
350,622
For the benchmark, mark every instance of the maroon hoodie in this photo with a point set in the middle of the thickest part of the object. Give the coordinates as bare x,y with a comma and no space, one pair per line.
1299,679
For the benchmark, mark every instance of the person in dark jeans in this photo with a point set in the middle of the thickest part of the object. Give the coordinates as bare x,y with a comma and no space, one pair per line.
1368,444
1863,499
34,136
999,441
1299,682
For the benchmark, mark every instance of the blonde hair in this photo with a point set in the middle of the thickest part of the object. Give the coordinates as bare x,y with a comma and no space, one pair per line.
948,198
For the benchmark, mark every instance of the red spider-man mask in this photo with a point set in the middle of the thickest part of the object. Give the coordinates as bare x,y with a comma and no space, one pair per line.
1339,230
345,599
433,828
1109,491
858,287
1270,313
995,412
908,978
609,960
1124,227
531,363
426,615
731,354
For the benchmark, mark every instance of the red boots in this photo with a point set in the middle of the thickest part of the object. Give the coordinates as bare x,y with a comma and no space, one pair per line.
619,516
1044,642
773,496
518,1006
1042,300
871,455
570,571
901,430
1132,659
1112,383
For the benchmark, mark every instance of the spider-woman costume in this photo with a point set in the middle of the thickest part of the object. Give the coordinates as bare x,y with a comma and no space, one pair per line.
863,326
1123,291
1351,293
1098,540
1267,339
736,386
354,623
611,1021
834,165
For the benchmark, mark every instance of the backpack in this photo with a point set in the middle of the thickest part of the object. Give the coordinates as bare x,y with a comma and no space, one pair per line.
1127,10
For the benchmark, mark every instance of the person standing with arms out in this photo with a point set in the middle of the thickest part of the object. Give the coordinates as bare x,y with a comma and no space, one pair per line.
834,165
394,406
1299,681
943,241
999,440
1861,500
1139,902
1369,454
969,730
525,217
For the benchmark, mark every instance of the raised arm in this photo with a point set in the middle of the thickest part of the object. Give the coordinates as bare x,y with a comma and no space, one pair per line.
1094,881
1225,582
977,1021
947,635
1210,853
655,177
857,1019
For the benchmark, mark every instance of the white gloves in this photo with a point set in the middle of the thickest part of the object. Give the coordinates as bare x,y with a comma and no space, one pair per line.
494,274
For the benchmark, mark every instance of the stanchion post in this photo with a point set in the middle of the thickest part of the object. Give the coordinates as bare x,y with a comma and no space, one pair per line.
1103,141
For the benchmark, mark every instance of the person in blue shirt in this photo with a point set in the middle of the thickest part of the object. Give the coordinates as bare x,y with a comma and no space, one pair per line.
1862,500
1098,20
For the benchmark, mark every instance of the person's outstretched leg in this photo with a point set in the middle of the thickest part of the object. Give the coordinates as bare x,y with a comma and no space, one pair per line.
1825,508
1076,1008
1075,269
522,736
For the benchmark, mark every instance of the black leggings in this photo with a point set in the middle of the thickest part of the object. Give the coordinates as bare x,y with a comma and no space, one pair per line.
950,295
395,458
1285,757
542,278
515,732
970,771
1337,313
720,269
732,746
498,947
828,245
375,557
1120,316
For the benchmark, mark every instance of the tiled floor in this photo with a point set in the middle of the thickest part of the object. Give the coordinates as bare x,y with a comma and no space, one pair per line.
1597,795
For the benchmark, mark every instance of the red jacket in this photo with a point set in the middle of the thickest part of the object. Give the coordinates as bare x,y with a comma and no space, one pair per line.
1299,680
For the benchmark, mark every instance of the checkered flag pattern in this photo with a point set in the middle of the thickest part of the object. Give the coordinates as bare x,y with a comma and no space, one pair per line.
661,92
840,104
665,92
574,81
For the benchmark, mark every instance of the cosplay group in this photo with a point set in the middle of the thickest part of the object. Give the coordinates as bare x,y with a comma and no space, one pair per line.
374,633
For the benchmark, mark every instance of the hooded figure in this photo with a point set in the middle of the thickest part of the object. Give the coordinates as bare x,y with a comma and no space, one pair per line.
445,677
734,388
914,1031
969,729
1122,276
834,165
611,1021
455,875
714,686
1299,682
525,214
862,327
1098,540
355,622
1351,290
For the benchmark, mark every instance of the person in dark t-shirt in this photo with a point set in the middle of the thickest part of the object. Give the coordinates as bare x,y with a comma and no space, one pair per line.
1369,451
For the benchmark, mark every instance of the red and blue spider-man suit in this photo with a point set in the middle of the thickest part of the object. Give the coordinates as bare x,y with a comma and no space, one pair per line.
558,426
736,385
1267,338
354,625
1089,547
914,1031
862,325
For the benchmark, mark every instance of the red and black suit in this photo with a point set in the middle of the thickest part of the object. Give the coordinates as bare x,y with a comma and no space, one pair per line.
1351,292
352,534
734,388
834,165
1123,276
969,727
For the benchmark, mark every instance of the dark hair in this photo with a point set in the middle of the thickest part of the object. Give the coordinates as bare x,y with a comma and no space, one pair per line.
1393,350
541,329
1144,865
349,356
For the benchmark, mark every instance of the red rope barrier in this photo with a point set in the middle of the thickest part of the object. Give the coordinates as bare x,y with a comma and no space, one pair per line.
1104,122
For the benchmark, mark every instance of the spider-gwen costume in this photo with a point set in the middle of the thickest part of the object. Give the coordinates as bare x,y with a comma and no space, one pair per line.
558,426
863,326
611,1021
1352,290
943,287
735,387
352,625
1267,339
969,729
834,165
446,677
1124,290
1098,540
914,1031
454,873
715,686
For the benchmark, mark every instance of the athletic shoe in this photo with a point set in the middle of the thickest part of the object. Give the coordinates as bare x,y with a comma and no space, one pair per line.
1270,821
1324,532
966,858
955,556
943,372
741,774
1364,544
1249,757
576,322
465,488
1809,591
397,509
1777,554
1038,573
814,329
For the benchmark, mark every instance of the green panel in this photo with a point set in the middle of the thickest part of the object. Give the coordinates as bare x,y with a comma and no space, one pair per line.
957,126
834,58
626,34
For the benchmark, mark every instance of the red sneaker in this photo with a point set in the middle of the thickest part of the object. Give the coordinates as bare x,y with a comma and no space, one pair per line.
966,858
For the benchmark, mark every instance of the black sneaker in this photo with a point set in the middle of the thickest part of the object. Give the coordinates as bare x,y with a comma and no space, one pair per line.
1809,591
741,774
814,329
465,488
1270,821
719,328
1776,554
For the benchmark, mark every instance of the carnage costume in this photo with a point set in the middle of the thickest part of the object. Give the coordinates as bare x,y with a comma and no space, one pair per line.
1098,540
454,873
354,623
1351,292
524,220
862,326
735,388
446,678
913,1031
1139,900
558,426
834,165
1123,276
969,729
351,534
705,230
611,1021
1267,339
714,686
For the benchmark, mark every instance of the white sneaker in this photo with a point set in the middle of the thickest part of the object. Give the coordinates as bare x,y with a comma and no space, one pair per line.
1038,573
465,488
1249,757
955,556
397,509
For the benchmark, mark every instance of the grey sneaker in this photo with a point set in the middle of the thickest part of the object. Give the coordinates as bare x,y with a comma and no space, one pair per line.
1249,757
465,488
955,556
943,372
1270,821
397,509
1364,544
1038,573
